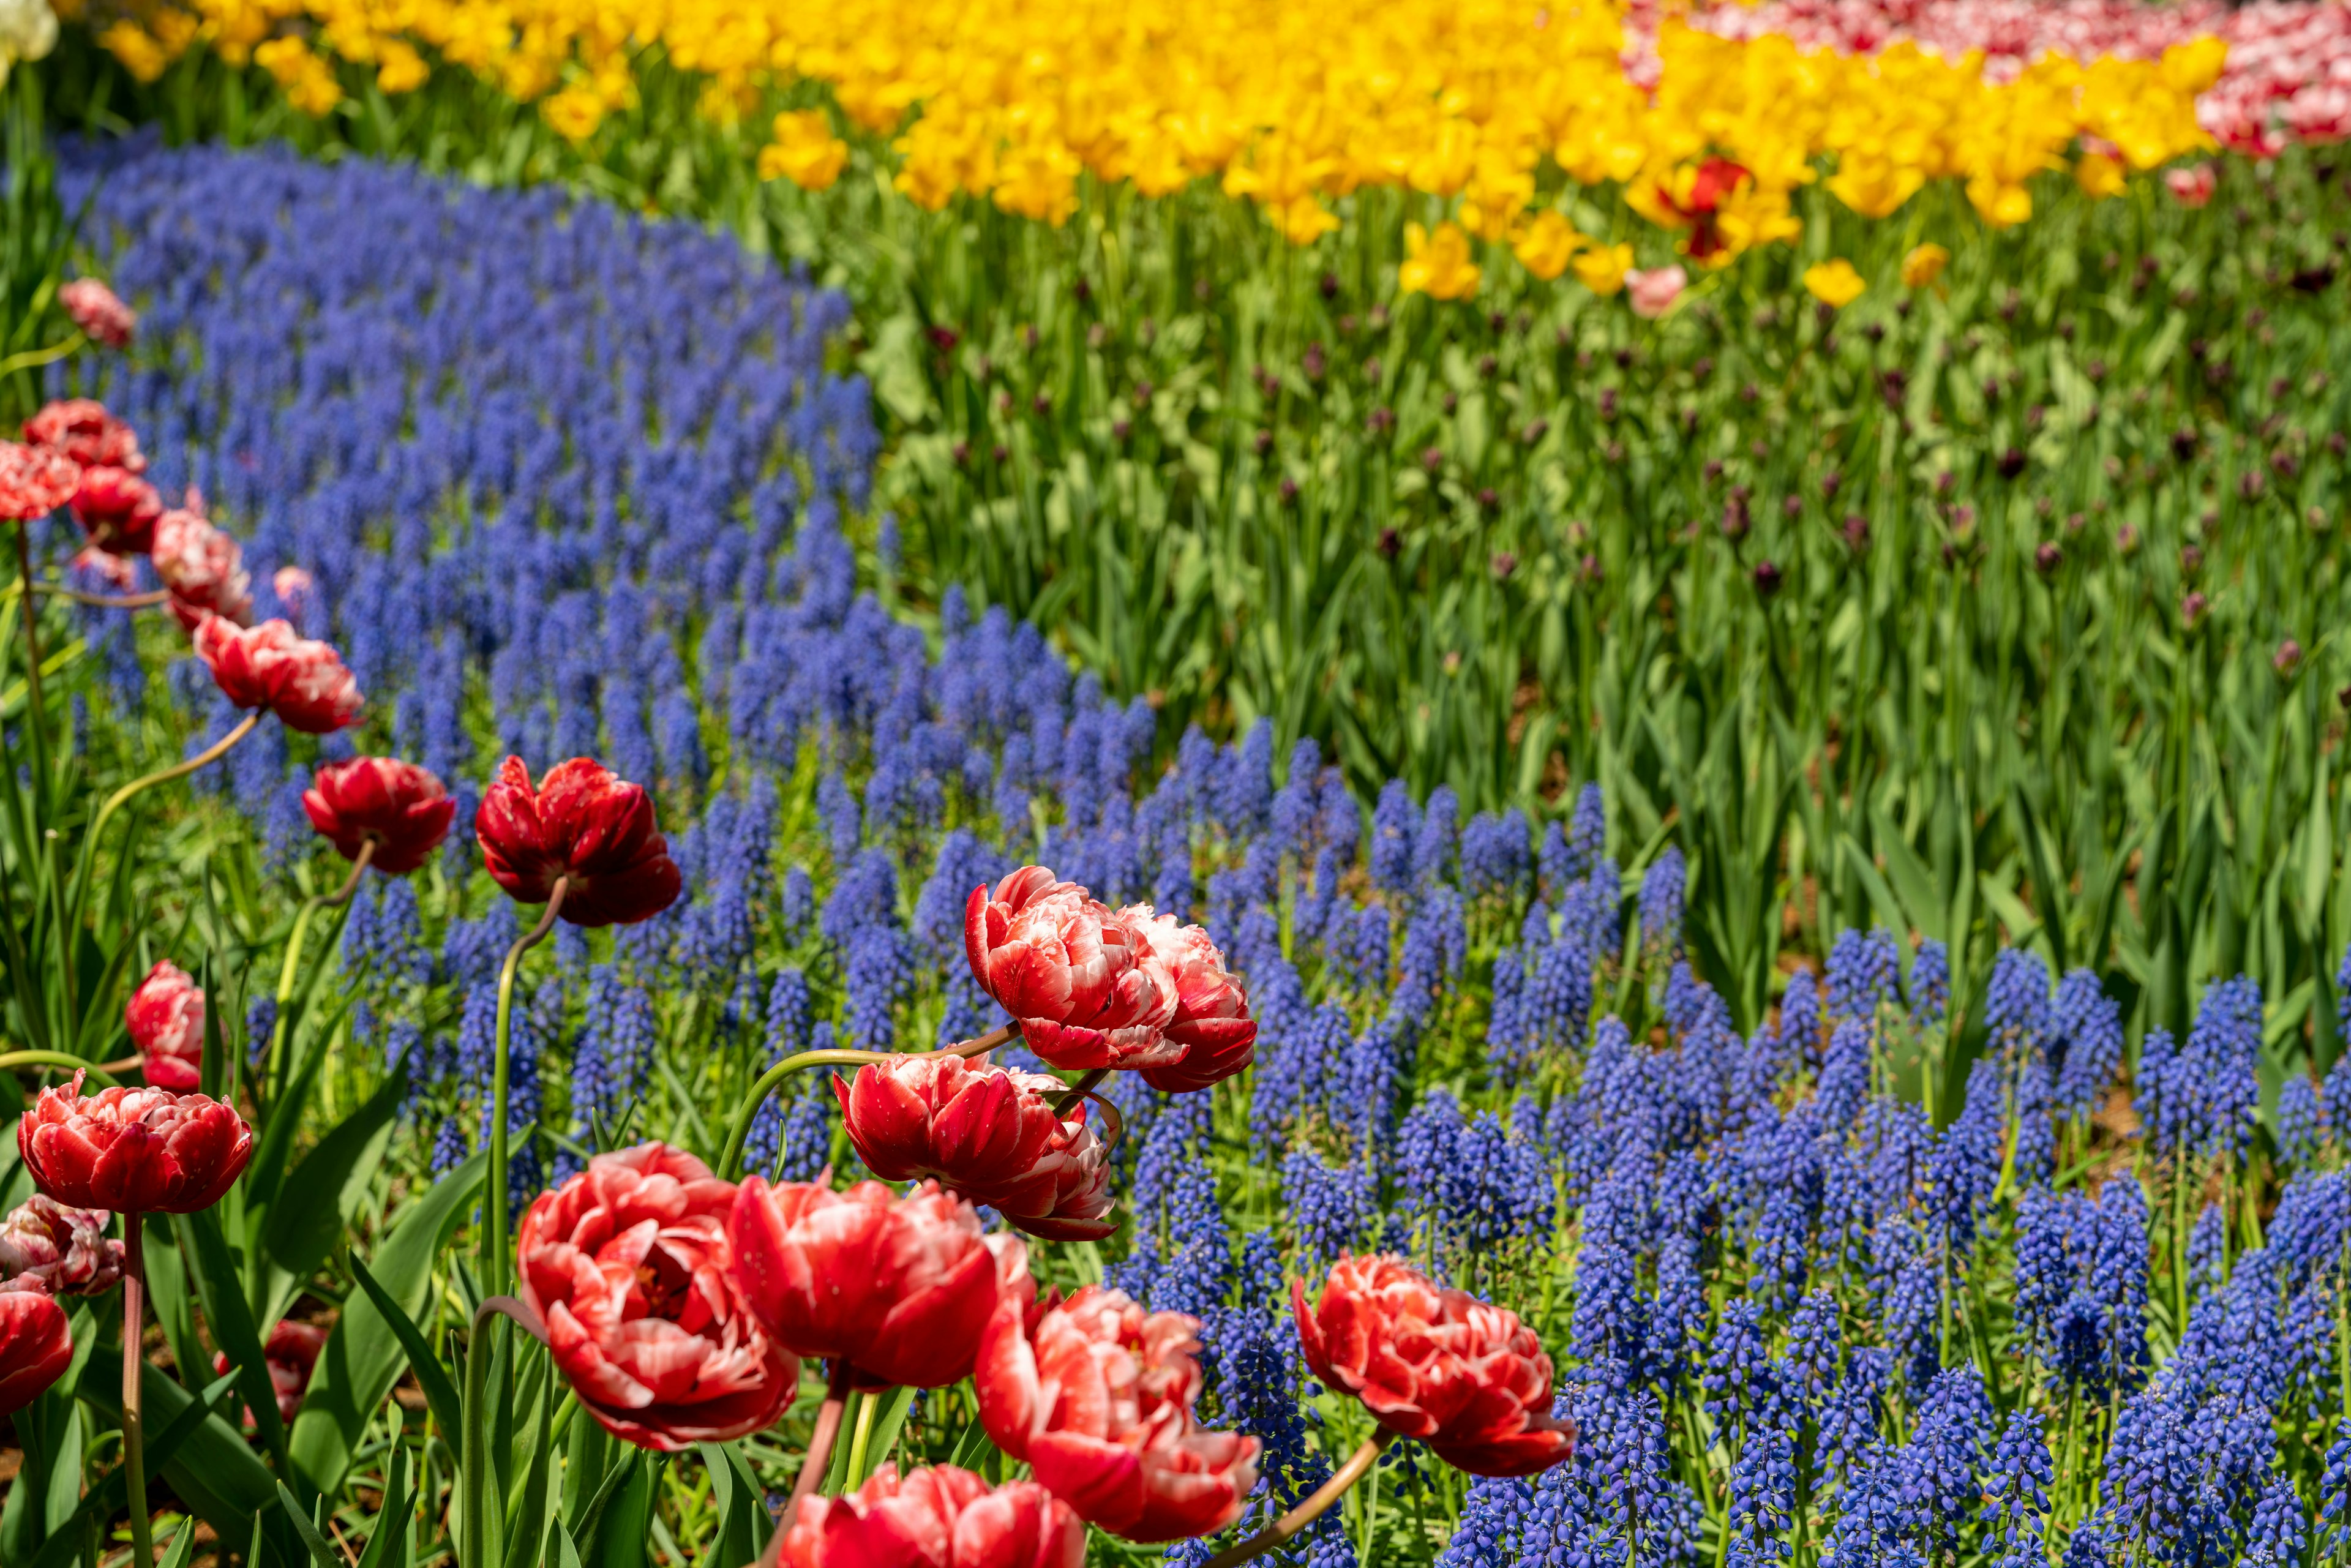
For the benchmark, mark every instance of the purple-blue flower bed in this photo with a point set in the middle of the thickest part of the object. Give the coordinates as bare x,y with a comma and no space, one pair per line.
565,481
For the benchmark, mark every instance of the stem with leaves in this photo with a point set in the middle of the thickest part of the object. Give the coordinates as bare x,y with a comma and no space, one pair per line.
497,1247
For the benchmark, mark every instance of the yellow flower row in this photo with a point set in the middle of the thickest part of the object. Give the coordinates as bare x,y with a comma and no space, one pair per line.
1286,103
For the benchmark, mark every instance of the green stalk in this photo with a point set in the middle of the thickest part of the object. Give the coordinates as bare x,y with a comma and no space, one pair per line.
1272,1536
497,1247
134,1362
277,1064
868,1406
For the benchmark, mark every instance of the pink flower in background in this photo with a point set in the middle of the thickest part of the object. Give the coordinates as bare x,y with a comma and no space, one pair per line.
99,311
1653,293
2192,186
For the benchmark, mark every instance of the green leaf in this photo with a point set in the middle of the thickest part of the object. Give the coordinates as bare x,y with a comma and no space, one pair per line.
363,1356
743,1522
184,1545
1911,880
220,1291
393,1544
315,1207
322,1554
207,1461
440,1391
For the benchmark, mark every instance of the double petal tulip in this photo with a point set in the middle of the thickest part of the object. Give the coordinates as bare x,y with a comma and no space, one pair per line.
583,822
987,1133
1212,1021
34,1348
303,682
1467,1379
1097,1400
67,1249
80,428
936,1518
627,1264
35,481
165,1017
292,1354
203,568
99,311
117,509
1087,991
399,807
900,1288
132,1151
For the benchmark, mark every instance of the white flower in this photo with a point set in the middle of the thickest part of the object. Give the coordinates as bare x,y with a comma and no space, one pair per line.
28,31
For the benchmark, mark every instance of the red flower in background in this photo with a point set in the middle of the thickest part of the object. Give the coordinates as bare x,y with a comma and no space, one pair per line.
291,1352
935,1517
303,682
1467,1379
583,822
82,429
165,1017
99,311
118,511
132,1151
203,568
902,1287
1087,991
985,1134
64,1251
35,481
627,1264
401,806
1097,1399
1212,1021
1715,181
34,1348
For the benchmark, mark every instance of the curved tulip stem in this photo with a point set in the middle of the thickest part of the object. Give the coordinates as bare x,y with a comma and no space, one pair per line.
209,755
497,1247
33,359
293,964
820,1452
860,1441
473,1458
134,1362
1082,1089
32,632
57,1059
1358,1466
730,1158
105,600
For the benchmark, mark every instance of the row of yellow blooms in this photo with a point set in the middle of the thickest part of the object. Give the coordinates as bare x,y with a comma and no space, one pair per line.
1287,103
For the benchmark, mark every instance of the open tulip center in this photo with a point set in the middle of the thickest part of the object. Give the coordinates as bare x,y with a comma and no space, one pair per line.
664,1283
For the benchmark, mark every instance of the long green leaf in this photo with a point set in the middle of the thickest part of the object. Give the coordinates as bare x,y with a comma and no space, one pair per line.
315,1207
220,1291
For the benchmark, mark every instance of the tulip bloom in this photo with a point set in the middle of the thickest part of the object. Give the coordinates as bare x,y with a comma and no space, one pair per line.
1087,991
132,1151
292,1354
118,510
165,1017
1655,291
1467,1379
901,1288
984,1134
935,1517
203,568
1212,1021
82,429
399,807
34,1348
99,311
2193,185
35,481
303,682
1097,1399
584,823
66,1251
626,1262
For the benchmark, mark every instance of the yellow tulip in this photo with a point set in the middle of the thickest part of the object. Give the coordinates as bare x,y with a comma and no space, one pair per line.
804,151
2099,176
1923,265
1834,283
1602,268
1436,265
1547,243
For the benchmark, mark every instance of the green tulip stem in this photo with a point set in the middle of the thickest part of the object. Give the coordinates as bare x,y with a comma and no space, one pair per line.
730,1159
13,1059
34,359
293,964
1082,1089
868,1405
32,632
209,755
1359,1465
479,1545
134,1448
106,600
497,1247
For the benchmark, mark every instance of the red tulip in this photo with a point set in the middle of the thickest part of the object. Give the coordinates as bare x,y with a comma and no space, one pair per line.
132,1151
580,822
1212,1019
1467,1379
82,429
303,682
399,806
118,511
292,1354
1097,1399
902,1287
99,311
627,1264
935,1517
1088,991
34,1348
66,1249
984,1134
166,1020
35,481
203,568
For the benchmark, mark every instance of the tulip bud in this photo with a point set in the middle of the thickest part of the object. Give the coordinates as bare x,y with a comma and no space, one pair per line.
82,429
132,1151
95,309
303,682
1088,991
35,481
66,1249
936,1518
399,807
581,823
165,1018
35,1347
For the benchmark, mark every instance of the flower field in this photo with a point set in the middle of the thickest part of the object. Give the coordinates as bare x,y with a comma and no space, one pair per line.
943,787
